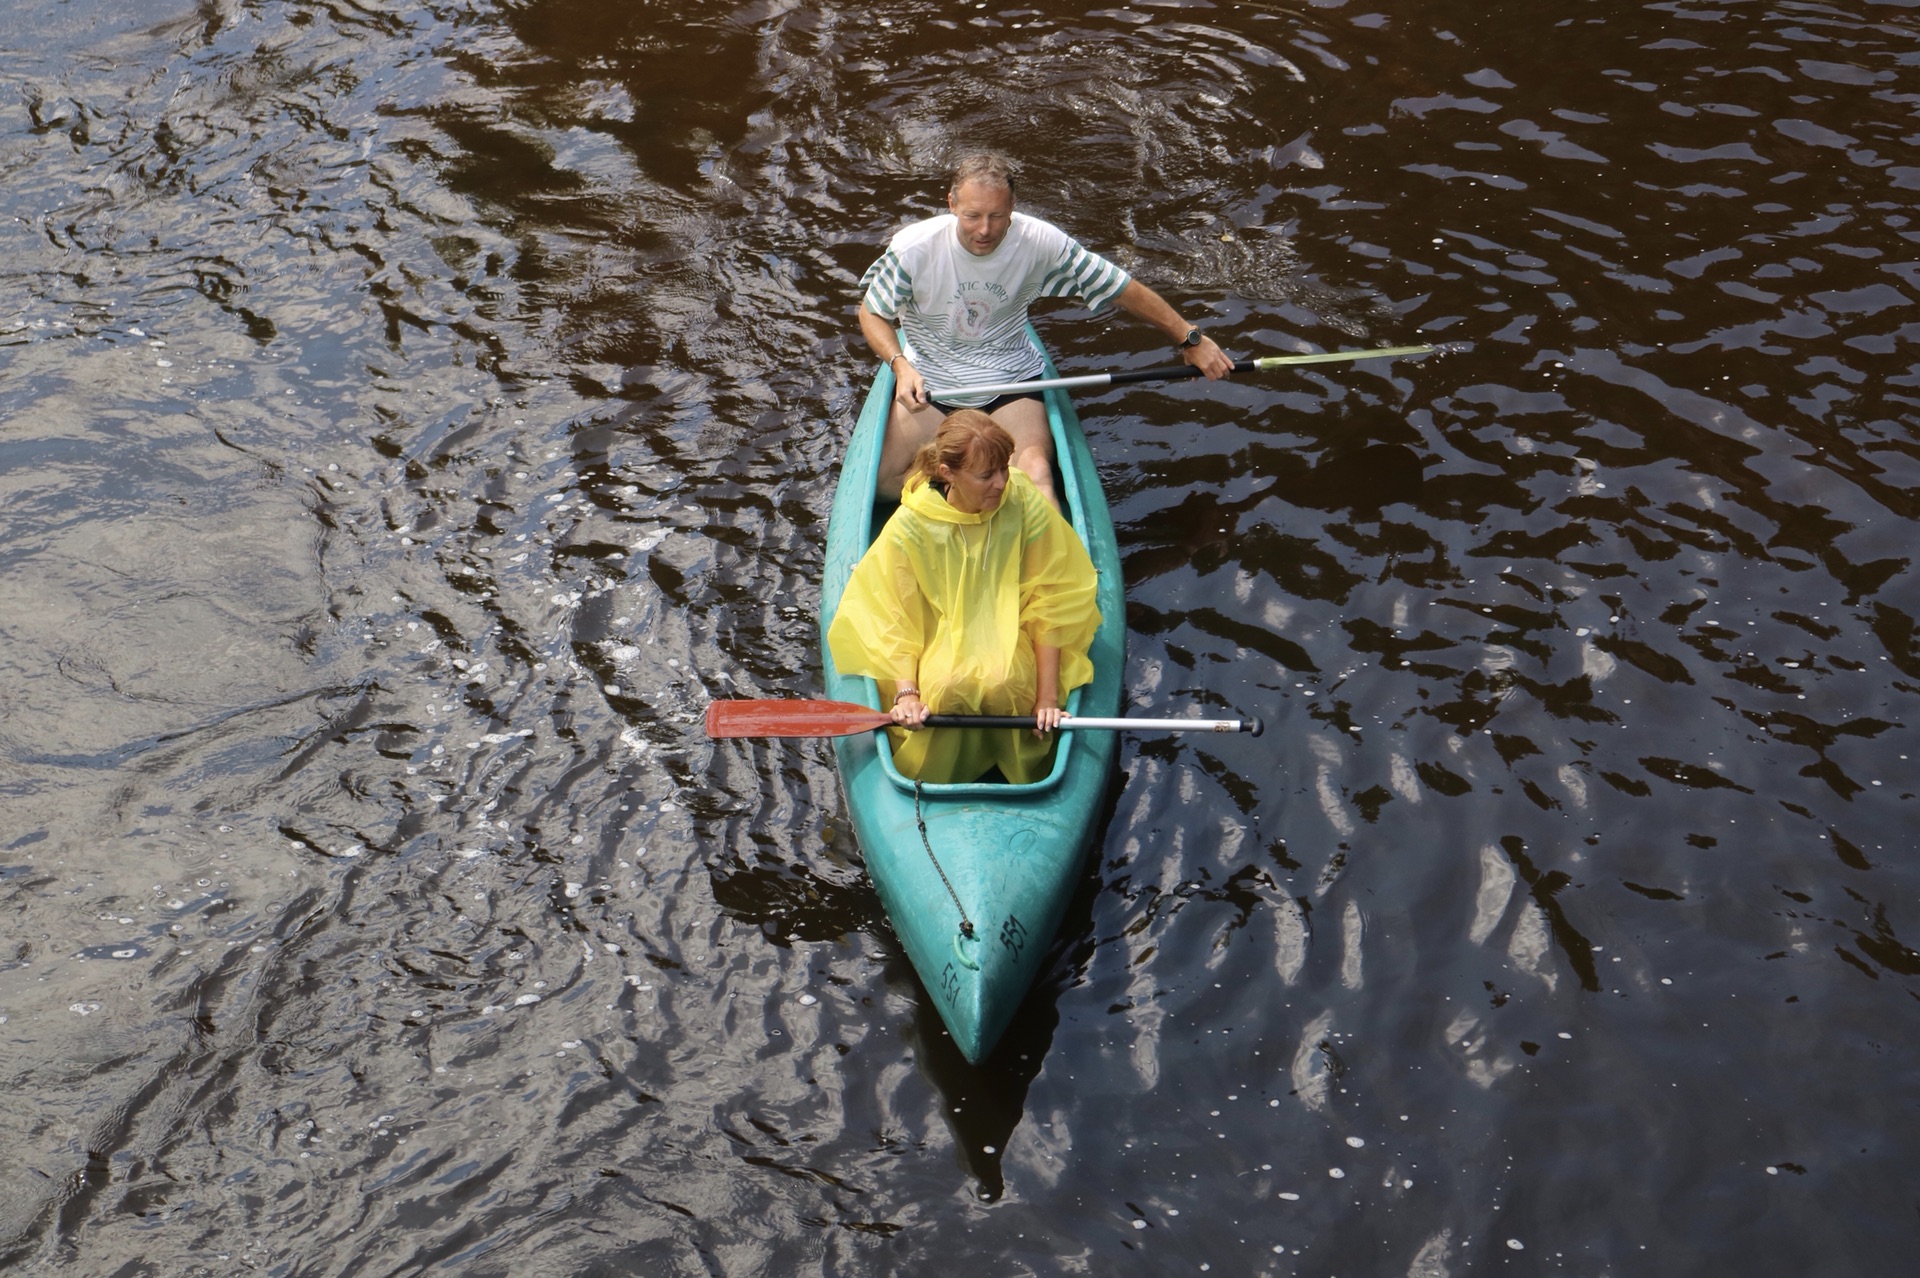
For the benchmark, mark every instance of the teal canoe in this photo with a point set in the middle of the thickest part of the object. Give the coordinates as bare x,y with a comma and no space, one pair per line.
1011,853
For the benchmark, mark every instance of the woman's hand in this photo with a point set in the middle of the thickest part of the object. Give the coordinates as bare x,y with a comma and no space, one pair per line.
909,711
1047,713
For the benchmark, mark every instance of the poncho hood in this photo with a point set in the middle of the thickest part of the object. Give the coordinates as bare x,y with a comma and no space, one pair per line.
923,499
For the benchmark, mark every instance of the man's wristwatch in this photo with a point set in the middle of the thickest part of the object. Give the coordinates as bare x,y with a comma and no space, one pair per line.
1191,339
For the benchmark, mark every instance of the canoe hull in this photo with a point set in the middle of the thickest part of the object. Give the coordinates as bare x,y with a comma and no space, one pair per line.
1010,855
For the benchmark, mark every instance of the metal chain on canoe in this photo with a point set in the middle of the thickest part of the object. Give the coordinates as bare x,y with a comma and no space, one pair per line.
966,924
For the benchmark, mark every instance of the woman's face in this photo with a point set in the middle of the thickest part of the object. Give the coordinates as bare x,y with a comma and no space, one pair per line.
974,487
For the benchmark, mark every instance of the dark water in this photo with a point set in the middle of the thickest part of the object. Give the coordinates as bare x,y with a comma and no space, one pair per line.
413,414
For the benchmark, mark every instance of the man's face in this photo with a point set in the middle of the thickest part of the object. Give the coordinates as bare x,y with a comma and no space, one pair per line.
985,210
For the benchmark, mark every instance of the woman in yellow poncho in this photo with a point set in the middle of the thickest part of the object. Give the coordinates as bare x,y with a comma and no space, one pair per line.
976,598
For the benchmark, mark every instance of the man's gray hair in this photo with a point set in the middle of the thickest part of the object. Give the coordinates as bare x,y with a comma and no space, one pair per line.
982,166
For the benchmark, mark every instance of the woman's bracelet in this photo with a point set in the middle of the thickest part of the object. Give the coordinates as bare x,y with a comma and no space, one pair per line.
905,692
896,355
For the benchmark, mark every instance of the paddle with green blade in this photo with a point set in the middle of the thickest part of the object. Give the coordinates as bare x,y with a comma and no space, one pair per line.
748,718
1172,372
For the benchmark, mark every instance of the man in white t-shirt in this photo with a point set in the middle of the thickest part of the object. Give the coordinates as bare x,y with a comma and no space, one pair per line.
958,286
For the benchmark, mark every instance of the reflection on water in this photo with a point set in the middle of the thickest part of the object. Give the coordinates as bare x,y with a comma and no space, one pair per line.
412,417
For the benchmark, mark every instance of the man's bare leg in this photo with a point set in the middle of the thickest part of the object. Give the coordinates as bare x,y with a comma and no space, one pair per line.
1026,421
911,429
908,431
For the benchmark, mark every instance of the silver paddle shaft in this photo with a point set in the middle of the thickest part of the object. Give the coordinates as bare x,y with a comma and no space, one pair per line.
1173,372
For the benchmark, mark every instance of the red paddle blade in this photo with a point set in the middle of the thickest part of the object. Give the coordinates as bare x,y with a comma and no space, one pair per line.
791,719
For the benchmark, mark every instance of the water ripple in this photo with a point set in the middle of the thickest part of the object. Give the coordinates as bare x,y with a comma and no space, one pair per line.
413,418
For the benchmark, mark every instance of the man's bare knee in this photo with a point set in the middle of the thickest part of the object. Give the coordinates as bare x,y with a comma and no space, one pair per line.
1037,464
907,432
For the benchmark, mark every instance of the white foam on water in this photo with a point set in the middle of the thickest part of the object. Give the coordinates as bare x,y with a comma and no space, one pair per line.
1496,890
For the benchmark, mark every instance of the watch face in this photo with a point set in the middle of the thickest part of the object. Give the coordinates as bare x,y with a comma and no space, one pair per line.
1192,338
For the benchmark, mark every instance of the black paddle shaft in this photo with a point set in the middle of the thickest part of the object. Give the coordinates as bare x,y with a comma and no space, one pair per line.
1251,725
1169,372
979,721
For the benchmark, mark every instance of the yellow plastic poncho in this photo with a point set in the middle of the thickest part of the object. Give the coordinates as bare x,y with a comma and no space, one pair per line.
958,601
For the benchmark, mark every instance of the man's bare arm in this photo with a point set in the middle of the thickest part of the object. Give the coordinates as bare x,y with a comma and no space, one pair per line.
908,388
1138,300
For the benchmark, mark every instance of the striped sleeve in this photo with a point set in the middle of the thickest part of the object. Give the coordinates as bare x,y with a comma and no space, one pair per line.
885,286
1084,275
